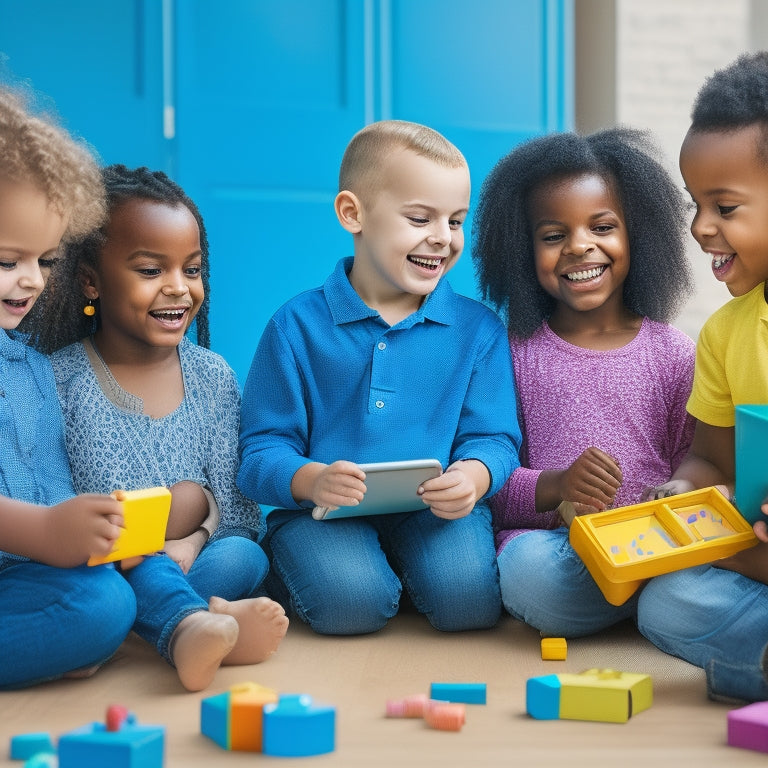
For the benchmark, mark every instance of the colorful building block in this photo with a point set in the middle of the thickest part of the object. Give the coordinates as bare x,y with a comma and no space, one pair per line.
214,718
26,745
131,746
145,518
748,727
465,693
444,716
295,727
42,760
410,706
246,703
603,695
554,648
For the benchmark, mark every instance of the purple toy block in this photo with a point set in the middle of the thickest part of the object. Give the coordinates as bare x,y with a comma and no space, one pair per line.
748,727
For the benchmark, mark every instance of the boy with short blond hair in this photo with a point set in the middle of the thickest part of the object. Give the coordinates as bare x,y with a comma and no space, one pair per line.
382,363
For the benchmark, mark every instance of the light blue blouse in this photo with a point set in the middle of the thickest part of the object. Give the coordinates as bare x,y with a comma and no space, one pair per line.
114,448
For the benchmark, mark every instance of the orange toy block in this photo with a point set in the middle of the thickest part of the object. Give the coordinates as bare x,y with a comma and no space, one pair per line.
554,648
246,704
145,515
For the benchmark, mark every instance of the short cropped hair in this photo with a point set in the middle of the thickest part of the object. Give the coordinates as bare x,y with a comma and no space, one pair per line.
735,97
35,149
365,153
659,278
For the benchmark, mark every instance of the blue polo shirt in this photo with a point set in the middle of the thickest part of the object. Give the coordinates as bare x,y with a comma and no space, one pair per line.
33,456
331,380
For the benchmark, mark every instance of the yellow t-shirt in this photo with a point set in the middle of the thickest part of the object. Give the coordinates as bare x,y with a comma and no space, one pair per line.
731,360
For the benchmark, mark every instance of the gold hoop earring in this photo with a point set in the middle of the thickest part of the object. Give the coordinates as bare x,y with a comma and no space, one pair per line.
89,310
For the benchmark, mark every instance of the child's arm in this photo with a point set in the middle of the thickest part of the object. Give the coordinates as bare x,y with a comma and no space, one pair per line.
63,535
454,493
340,484
590,482
710,461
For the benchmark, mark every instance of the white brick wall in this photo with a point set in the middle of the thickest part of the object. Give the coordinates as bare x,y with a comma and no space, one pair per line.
665,49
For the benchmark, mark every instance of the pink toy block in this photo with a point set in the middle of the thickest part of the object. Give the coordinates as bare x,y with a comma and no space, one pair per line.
748,727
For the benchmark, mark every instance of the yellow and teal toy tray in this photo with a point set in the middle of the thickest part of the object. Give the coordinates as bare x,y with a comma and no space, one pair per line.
624,547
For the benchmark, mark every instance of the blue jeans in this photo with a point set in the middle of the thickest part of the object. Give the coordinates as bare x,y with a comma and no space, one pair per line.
545,584
231,567
57,620
715,619
345,576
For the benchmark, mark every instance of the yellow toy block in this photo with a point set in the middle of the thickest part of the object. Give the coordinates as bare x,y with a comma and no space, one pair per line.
145,514
554,648
246,704
602,695
623,547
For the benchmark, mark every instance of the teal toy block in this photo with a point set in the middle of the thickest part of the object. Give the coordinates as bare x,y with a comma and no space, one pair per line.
214,719
131,746
542,697
602,695
463,693
296,727
42,760
751,472
27,745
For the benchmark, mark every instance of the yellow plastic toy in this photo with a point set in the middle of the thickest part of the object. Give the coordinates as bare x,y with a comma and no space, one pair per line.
603,695
623,547
554,649
145,514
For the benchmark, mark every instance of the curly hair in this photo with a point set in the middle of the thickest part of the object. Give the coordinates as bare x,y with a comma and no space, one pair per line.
735,97
59,320
659,277
34,148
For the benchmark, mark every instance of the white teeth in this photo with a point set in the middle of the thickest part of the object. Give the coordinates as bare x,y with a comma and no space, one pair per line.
718,261
586,274
169,314
425,262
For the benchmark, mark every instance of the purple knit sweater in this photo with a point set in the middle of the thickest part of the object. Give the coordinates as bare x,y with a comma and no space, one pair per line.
629,402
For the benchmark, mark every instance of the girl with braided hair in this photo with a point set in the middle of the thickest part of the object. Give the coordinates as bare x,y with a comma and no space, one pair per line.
144,406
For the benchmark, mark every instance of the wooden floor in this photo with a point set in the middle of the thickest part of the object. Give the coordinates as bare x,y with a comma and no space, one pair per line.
357,675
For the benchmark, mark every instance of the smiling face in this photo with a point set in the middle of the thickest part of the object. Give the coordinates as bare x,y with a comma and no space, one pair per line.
580,243
728,182
30,233
408,232
148,278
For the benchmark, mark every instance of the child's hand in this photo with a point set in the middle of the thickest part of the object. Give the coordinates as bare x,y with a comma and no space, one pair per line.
184,551
592,480
670,488
761,526
80,527
454,493
341,484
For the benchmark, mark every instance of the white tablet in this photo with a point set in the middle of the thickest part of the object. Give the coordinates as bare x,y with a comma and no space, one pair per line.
391,487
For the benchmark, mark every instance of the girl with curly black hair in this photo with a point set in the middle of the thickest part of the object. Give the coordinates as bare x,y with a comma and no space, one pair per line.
579,243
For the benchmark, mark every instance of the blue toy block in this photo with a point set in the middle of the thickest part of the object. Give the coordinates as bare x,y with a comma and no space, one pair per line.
42,760
542,697
295,727
214,719
132,746
27,745
464,693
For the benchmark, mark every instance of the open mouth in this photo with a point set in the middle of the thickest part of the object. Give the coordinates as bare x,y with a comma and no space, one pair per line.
421,261
586,274
169,315
719,261
16,303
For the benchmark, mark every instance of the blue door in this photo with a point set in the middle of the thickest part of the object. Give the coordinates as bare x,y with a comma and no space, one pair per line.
249,105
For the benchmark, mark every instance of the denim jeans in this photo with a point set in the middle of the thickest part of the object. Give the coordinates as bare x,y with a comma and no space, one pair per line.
56,620
546,584
231,567
345,576
715,619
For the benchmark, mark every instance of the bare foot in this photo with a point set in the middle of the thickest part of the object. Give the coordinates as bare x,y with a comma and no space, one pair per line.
199,644
263,625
